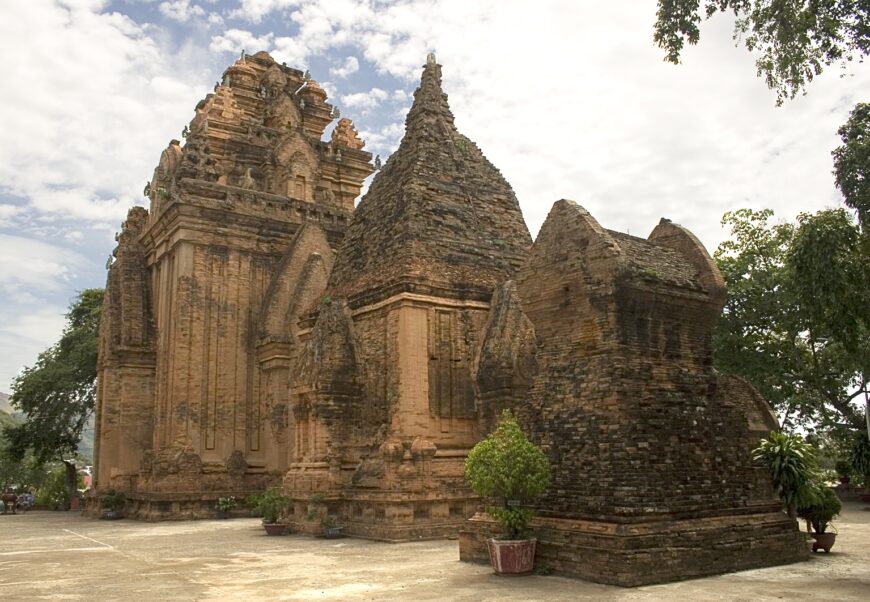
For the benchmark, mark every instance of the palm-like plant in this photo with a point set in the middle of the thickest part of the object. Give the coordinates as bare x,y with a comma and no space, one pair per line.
792,465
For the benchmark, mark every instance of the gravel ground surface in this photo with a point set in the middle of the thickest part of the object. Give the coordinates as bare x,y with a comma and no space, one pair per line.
63,556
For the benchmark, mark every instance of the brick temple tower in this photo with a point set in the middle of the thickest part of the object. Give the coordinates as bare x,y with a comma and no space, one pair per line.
603,347
206,289
383,393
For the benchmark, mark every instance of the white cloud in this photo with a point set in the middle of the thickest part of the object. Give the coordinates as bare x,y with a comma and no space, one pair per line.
236,40
180,10
28,266
365,101
349,67
75,103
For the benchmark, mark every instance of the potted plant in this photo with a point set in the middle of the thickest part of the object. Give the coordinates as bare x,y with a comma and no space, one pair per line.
512,472
330,526
271,505
224,505
844,471
819,515
792,465
112,502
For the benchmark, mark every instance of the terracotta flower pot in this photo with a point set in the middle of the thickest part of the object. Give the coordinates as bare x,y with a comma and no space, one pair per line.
274,528
512,557
824,541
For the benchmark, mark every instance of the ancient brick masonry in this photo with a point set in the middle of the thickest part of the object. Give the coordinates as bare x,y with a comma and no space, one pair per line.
257,330
205,292
383,393
652,479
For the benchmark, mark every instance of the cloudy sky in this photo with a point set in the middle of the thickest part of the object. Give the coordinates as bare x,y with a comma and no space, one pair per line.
569,98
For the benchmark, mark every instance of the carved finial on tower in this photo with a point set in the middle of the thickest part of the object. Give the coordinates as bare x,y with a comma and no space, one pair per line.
430,59
335,113
377,162
242,58
307,75
185,132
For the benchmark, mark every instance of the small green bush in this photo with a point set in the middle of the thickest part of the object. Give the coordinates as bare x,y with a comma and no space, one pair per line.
823,511
113,500
793,470
271,505
843,468
860,458
509,469
225,504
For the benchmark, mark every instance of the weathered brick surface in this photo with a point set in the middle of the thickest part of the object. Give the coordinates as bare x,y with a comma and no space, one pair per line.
209,285
247,340
651,473
385,382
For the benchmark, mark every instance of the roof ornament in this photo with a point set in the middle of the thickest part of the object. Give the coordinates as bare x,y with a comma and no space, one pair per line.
307,75
377,163
147,190
242,58
334,113
185,132
430,59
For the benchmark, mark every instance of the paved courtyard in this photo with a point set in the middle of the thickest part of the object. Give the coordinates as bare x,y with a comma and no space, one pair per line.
62,556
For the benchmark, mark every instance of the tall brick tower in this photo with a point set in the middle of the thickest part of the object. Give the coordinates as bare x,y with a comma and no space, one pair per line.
243,220
383,394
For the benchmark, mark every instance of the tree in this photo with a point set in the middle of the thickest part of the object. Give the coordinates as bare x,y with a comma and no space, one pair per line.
793,320
852,163
796,39
57,393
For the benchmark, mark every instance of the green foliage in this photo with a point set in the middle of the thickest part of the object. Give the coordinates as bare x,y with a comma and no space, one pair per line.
329,521
852,163
859,457
271,504
792,466
843,468
113,501
57,393
795,39
506,466
225,504
820,513
54,491
795,315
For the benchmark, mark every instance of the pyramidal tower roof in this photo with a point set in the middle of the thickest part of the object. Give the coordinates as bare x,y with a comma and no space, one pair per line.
438,219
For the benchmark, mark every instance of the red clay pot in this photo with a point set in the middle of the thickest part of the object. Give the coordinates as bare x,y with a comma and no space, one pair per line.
824,541
274,528
512,557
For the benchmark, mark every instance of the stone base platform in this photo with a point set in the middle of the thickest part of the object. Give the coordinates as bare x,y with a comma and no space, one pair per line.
392,517
165,506
643,553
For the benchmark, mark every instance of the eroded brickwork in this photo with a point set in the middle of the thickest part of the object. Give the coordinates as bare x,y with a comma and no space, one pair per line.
384,387
651,474
257,331
244,220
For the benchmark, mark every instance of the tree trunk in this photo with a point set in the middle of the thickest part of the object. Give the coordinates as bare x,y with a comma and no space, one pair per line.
71,479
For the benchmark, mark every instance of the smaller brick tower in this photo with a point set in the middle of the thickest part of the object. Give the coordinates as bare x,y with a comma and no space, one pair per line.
603,347
383,395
